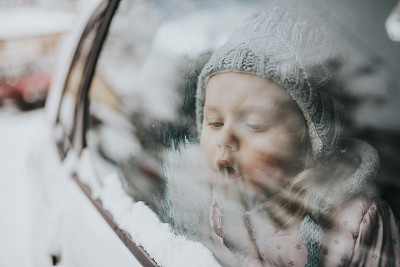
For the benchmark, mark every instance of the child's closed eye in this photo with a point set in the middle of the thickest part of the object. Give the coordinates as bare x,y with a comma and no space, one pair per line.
257,127
217,124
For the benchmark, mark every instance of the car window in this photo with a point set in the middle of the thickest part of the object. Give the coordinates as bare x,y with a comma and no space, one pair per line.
142,125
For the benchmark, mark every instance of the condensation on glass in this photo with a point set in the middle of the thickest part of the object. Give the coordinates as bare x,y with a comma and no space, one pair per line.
142,97
142,117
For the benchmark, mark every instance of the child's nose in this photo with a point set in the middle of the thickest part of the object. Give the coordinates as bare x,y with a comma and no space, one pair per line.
228,139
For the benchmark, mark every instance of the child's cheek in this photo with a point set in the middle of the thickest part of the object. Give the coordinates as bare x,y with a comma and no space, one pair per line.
265,169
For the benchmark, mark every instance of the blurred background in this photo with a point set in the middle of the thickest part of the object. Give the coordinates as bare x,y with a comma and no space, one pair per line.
32,32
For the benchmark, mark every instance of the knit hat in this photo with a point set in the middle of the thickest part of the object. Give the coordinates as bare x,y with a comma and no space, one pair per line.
297,54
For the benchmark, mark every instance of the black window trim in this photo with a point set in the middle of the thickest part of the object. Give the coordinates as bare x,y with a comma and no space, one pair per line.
65,143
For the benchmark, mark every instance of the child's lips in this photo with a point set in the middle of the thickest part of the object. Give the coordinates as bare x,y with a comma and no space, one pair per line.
224,162
226,168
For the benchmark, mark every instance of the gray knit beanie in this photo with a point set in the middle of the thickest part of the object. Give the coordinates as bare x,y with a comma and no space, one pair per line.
296,53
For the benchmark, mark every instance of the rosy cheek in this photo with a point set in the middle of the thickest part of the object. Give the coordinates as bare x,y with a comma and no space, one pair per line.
260,165
269,159
267,171
286,150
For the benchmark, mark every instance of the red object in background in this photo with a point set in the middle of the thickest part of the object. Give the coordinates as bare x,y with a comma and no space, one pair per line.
27,91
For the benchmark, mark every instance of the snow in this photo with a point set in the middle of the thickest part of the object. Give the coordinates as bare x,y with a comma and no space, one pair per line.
147,231
26,151
17,131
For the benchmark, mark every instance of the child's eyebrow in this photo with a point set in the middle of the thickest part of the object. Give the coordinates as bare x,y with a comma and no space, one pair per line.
256,109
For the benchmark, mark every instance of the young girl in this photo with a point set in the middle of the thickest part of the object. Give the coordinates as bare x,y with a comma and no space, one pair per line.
288,189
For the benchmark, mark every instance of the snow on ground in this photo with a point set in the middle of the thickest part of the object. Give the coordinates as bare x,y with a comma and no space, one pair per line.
17,132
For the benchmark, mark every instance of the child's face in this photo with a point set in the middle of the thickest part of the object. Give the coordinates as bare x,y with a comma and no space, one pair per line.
252,130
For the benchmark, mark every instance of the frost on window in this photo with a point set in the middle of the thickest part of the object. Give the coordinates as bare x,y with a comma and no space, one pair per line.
180,112
142,97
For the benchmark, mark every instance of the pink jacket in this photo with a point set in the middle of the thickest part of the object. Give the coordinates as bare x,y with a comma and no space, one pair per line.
364,233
